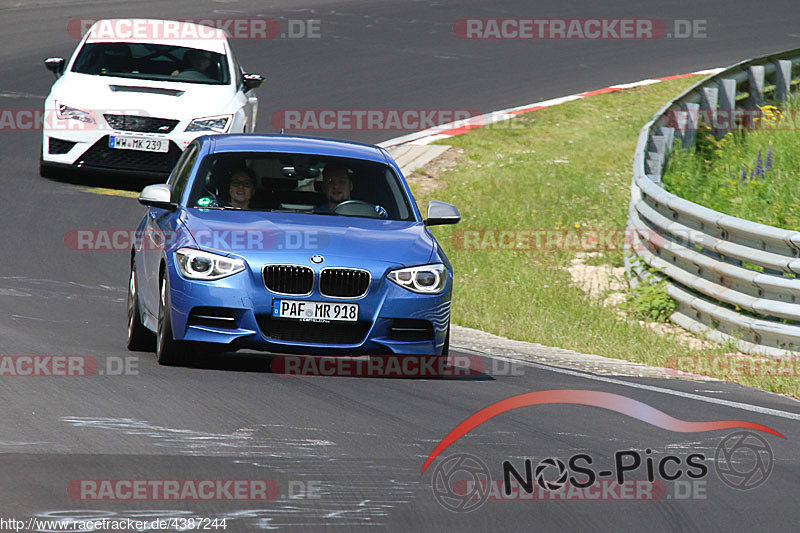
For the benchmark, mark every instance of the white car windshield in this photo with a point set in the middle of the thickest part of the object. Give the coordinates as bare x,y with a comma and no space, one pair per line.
156,62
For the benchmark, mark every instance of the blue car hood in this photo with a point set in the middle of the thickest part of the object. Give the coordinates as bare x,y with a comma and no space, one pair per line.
271,236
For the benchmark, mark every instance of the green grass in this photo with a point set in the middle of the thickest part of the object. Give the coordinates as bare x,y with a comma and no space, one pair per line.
712,176
562,167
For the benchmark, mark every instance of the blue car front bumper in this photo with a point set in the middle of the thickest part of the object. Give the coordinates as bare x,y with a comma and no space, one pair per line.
236,313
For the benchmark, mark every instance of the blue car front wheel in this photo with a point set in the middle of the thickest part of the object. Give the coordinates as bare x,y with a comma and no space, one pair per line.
168,350
140,339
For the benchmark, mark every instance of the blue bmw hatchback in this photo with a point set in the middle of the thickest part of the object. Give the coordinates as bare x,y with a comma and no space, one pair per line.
290,245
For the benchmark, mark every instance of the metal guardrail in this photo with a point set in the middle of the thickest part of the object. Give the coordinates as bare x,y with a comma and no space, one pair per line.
707,258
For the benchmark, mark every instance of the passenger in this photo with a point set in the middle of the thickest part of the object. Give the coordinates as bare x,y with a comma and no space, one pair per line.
242,187
195,61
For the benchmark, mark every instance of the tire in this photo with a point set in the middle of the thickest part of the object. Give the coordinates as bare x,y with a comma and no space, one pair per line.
169,351
46,171
140,339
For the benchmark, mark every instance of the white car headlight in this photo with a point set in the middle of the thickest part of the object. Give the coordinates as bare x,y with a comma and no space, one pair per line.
218,124
425,279
197,264
64,111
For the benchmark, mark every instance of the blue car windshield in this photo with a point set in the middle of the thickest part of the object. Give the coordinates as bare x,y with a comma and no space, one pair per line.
305,183
156,62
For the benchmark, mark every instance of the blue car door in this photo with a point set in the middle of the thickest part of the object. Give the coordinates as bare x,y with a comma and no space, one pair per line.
163,230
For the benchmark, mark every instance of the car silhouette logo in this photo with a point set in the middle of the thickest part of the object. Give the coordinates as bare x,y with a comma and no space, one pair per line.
317,259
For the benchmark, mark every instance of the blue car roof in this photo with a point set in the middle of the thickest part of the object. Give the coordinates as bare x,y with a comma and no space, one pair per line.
258,142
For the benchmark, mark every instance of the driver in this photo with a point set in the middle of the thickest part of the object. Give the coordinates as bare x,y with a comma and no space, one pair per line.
336,186
196,61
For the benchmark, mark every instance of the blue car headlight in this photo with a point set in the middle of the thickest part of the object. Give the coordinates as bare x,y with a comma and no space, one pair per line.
425,279
197,264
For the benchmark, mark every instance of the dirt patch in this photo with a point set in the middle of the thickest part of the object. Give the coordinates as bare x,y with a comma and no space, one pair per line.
425,180
601,282
608,285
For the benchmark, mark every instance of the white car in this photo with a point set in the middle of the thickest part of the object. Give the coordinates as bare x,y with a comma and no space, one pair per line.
131,101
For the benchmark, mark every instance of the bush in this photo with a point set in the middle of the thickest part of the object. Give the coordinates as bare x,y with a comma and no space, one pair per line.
750,175
650,301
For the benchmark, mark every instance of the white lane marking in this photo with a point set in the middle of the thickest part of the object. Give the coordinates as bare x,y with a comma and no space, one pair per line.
689,395
13,292
634,84
201,443
442,131
15,94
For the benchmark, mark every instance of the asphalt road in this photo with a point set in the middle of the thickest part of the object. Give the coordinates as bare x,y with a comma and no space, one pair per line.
341,452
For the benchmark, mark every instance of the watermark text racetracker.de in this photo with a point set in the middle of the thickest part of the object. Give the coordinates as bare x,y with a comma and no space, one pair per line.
233,239
393,366
64,118
551,240
732,366
183,523
733,120
67,366
168,517
206,28
173,489
603,490
372,119
579,28
52,119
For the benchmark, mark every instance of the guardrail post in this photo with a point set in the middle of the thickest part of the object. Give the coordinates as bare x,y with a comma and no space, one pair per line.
709,102
669,133
652,166
656,156
727,104
669,138
755,84
691,111
783,79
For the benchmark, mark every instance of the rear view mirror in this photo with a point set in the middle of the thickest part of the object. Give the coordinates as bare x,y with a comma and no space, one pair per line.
55,65
252,81
442,213
159,195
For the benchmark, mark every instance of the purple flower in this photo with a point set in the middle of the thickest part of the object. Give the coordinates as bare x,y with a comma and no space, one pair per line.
769,158
744,174
759,170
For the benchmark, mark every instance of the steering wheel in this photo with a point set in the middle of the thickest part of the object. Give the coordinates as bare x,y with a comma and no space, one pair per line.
360,208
